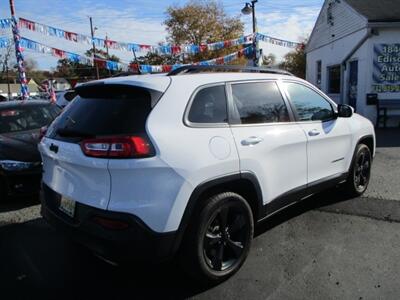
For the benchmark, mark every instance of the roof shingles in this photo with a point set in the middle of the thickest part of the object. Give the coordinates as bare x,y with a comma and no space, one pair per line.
377,10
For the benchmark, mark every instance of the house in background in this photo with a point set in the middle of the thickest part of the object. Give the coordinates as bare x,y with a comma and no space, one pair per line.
15,88
59,84
354,50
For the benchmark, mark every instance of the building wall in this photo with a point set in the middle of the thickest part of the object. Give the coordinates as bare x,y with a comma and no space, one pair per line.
337,51
345,21
338,30
333,54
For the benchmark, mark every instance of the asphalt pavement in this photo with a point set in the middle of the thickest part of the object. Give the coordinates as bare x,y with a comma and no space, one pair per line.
325,247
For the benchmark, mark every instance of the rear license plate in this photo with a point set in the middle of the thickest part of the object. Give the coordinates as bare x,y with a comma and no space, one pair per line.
67,206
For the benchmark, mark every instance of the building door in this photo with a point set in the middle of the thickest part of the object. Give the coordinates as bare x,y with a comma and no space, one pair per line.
353,84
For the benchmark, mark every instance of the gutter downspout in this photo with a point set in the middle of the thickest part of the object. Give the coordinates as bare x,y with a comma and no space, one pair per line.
369,33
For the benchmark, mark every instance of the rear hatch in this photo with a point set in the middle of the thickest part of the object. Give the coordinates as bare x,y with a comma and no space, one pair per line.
104,121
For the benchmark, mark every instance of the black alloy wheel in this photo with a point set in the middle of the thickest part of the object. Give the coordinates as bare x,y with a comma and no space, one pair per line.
218,239
226,236
360,172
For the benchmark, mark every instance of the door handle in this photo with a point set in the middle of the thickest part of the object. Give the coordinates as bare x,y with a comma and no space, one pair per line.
314,132
251,141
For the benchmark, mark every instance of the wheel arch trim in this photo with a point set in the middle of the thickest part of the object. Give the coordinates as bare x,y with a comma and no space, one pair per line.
208,185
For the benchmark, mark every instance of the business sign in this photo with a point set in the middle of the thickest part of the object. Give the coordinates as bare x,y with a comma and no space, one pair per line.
386,75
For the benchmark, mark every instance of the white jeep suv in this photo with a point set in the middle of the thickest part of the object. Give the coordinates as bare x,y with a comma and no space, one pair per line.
185,164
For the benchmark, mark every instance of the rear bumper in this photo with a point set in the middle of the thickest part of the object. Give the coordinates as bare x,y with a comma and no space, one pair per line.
136,242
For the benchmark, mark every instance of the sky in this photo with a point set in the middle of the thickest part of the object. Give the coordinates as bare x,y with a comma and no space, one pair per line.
140,21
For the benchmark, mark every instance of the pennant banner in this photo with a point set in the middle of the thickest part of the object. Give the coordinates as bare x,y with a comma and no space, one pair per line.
120,66
5,23
61,54
123,46
247,52
275,41
4,42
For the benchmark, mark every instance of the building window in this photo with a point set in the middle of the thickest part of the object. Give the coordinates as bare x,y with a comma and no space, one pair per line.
319,74
334,79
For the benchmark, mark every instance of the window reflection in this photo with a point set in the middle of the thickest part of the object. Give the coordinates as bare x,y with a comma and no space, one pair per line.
259,102
209,106
310,106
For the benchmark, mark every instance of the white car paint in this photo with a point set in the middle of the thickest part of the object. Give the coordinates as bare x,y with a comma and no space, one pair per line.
72,174
157,189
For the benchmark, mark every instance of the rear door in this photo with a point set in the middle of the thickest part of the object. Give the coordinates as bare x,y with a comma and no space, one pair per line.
329,137
269,144
97,113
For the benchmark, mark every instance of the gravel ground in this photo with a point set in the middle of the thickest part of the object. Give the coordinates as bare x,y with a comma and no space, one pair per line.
19,210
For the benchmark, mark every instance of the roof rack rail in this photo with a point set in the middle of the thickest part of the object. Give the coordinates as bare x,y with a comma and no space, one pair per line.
192,69
126,73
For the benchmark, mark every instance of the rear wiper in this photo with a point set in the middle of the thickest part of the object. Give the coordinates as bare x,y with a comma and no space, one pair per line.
72,133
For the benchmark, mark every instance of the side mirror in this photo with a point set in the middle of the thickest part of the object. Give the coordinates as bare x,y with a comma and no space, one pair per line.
345,111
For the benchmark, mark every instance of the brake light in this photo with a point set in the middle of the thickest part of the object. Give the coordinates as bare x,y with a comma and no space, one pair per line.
117,147
42,132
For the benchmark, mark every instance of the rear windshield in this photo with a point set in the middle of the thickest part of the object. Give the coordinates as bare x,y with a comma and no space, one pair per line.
23,118
104,111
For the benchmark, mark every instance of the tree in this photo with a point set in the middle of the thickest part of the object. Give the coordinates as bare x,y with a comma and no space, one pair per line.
200,22
295,62
102,54
155,59
30,64
7,64
75,70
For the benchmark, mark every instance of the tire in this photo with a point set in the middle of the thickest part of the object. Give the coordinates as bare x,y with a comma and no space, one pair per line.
360,172
3,189
212,251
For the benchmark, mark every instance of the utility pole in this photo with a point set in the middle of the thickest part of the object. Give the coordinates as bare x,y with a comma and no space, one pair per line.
94,48
7,77
106,44
250,8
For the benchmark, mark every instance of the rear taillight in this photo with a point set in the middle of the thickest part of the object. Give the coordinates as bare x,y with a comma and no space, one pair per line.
42,132
118,147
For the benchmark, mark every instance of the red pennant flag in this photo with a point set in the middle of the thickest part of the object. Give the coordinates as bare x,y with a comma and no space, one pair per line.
166,68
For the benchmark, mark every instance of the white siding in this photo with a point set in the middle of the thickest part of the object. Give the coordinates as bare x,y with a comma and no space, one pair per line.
345,21
330,55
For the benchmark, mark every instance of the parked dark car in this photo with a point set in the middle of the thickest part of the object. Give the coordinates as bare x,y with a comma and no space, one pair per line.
21,123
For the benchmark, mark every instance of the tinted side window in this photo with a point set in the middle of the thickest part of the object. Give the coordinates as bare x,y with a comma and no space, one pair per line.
209,106
310,106
259,102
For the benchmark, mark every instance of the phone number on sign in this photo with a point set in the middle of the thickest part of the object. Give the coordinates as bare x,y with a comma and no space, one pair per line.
382,88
